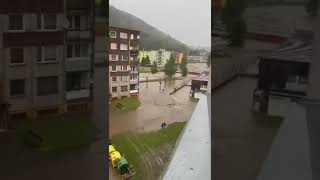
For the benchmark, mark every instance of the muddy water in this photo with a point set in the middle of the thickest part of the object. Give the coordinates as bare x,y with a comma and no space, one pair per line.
156,107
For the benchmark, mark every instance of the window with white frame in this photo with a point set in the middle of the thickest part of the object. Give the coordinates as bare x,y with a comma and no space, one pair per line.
74,22
123,35
114,78
113,46
124,47
133,68
124,58
113,68
16,56
15,22
113,34
131,36
47,54
113,57
124,68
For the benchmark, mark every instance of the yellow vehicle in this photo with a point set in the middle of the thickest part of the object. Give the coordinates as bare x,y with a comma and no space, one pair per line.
120,162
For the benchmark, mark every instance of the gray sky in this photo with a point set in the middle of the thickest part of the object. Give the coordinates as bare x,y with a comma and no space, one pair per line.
186,20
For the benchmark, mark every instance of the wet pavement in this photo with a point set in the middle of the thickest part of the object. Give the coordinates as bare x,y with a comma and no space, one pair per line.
240,146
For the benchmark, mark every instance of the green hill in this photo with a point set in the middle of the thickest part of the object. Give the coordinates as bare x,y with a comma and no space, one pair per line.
151,37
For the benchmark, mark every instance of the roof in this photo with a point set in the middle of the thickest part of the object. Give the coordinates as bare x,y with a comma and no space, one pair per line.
123,29
295,49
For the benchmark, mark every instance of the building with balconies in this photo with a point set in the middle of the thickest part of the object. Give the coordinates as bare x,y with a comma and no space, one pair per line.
79,51
36,59
123,62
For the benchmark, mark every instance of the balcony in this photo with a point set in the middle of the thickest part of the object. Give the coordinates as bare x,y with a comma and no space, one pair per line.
134,81
84,93
134,52
78,64
78,34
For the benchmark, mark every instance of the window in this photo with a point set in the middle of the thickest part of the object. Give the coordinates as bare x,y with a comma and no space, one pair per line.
113,46
17,87
69,51
49,54
77,50
114,78
113,34
124,47
74,22
123,35
133,68
50,21
124,57
124,78
76,80
124,68
131,36
15,22
138,36
114,89
16,56
47,85
113,57
124,88
84,49
113,68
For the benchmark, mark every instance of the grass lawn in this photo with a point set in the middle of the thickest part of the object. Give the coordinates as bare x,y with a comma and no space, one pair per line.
71,130
267,121
150,151
126,104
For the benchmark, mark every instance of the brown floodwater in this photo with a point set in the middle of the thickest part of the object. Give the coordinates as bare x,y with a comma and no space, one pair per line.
156,107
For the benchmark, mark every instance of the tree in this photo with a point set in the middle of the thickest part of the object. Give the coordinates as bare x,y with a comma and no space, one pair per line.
154,67
232,18
170,67
148,60
312,7
143,61
183,66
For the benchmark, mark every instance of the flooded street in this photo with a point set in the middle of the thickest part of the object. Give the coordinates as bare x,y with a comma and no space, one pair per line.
156,107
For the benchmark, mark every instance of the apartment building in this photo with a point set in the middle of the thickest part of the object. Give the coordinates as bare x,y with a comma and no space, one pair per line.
123,62
35,53
79,51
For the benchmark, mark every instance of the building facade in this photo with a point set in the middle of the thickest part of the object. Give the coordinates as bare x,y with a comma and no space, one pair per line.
123,62
34,50
161,56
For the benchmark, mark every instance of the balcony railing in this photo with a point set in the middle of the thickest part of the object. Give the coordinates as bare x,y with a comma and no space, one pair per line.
77,94
134,51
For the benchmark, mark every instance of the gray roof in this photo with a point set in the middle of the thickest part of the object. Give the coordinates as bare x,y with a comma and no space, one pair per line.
298,50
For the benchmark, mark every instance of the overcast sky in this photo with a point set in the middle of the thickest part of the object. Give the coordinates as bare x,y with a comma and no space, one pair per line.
186,20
